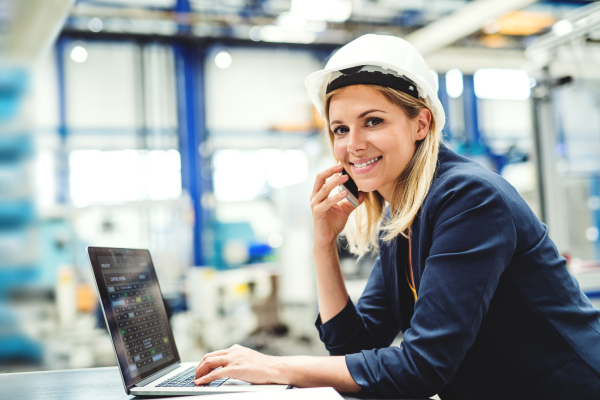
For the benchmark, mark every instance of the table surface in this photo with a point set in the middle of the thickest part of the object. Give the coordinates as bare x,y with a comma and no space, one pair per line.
88,384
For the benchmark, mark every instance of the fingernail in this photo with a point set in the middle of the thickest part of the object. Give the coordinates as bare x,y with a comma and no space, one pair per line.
197,381
339,166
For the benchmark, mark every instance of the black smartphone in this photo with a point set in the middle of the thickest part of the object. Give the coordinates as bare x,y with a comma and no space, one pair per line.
351,187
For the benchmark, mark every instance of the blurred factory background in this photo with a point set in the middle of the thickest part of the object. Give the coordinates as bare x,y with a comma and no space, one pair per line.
183,126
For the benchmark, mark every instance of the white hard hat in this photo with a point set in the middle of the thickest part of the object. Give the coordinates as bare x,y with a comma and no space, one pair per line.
393,56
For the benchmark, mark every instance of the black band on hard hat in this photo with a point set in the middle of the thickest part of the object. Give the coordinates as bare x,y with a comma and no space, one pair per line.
351,77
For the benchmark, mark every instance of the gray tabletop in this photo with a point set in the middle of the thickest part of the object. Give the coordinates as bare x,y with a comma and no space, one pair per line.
88,384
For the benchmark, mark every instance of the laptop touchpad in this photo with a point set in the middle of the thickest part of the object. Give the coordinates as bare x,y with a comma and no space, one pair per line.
235,382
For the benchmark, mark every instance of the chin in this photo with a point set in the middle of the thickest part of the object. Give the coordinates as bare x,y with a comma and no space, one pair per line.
368,188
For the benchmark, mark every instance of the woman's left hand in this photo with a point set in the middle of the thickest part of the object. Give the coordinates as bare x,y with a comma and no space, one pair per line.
237,362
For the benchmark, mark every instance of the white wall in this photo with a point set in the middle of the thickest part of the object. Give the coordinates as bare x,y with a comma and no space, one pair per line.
103,92
260,89
579,119
100,92
110,98
506,118
506,122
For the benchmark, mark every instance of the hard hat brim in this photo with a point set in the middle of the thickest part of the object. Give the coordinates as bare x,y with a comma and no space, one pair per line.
316,85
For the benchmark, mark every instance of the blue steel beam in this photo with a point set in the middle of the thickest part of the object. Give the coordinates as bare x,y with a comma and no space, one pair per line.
475,143
189,61
189,64
62,195
444,99
472,133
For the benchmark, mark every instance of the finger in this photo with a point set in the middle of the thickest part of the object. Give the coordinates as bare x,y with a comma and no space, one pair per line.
213,354
322,177
210,364
331,201
348,207
214,375
327,188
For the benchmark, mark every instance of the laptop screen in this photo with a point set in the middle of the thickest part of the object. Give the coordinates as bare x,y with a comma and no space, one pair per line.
134,311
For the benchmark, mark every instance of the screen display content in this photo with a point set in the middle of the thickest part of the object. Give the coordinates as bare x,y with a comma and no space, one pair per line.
135,312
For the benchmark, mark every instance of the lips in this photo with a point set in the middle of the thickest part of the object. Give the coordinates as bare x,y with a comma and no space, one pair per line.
365,165
363,162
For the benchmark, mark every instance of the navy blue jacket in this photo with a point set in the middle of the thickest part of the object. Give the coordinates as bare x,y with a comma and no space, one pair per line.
498,316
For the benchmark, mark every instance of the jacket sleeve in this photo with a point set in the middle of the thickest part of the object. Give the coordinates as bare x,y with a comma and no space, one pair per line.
366,326
473,241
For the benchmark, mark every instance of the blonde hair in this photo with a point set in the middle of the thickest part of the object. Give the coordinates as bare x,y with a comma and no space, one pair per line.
411,186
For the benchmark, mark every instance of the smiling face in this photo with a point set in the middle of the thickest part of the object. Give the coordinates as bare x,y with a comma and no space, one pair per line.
373,138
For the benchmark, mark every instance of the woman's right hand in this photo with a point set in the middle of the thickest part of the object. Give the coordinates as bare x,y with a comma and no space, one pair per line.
330,213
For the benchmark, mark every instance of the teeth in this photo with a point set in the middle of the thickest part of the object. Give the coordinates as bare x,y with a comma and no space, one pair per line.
366,163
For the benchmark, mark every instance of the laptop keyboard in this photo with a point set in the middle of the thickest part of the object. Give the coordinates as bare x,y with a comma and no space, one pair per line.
186,379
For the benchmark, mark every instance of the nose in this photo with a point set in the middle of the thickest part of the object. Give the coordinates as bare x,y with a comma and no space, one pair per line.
356,141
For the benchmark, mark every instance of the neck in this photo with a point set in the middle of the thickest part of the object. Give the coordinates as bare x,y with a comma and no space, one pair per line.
388,193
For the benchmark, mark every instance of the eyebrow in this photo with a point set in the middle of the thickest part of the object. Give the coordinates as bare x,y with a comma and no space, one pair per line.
360,116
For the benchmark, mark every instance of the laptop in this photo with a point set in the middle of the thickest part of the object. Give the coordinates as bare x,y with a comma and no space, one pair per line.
138,326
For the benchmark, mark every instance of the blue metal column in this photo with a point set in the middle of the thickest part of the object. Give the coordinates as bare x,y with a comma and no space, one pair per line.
444,99
190,58
475,143
63,158
189,67
472,134
183,6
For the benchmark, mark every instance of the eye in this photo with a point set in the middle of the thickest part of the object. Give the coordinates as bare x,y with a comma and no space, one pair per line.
340,130
373,121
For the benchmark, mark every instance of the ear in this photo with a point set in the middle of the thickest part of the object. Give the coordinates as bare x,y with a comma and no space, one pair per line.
423,121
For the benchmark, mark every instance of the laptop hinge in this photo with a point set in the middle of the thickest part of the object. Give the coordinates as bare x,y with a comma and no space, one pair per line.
157,375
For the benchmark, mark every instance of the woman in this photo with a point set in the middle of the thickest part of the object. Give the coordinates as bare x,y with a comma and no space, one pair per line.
465,269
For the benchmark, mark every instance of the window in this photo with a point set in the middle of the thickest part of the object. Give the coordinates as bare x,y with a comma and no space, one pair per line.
126,175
